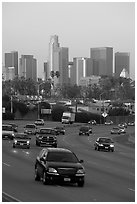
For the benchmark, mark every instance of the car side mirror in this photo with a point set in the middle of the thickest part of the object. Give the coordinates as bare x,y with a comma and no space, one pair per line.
43,159
81,161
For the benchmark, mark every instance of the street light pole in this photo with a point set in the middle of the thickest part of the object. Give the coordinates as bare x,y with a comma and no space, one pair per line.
38,98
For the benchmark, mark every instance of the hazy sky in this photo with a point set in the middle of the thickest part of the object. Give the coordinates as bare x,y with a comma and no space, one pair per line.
27,27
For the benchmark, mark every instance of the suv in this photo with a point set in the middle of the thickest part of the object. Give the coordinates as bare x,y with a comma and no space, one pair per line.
60,130
85,130
39,122
21,140
104,143
30,129
7,132
46,137
59,164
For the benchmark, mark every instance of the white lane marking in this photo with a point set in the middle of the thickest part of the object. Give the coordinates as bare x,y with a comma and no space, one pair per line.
25,152
131,189
9,196
6,164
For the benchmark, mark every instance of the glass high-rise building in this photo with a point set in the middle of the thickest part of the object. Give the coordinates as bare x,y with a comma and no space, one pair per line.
53,63
122,61
102,59
82,67
28,67
11,60
58,62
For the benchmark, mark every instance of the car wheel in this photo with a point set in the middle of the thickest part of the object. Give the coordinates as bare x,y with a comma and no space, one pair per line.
95,148
13,146
37,177
81,183
44,178
112,150
98,148
55,145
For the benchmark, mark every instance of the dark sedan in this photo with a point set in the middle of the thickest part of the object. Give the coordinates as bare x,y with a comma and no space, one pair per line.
59,164
104,143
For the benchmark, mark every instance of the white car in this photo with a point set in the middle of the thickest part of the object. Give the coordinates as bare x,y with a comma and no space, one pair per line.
39,122
110,122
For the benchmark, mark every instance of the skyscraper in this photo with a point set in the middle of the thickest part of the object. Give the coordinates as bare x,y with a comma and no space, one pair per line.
81,67
63,66
53,63
122,60
11,60
102,59
58,62
28,67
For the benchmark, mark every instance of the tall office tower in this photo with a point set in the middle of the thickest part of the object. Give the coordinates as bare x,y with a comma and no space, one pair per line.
63,66
53,64
102,59
45,71
122,60
79,70
28,67
11,60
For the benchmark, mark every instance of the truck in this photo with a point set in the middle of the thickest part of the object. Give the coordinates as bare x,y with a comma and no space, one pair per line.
68,118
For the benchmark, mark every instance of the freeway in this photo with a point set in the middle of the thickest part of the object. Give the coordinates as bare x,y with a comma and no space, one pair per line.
110,177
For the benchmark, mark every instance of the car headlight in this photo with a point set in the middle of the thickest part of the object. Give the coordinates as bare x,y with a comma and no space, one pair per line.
28,142
13,134
15,141
52,171
111,145
80,171
101,145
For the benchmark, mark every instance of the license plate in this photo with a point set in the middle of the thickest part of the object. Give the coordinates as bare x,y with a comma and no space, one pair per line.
21,144
106,147
66,179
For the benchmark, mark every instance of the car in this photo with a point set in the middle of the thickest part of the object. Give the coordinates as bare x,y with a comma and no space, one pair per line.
7,132
117,130
131,123
104,143
92,122
85,130
46,137
30,129
121,125
14,126
60,130
21,140
109,122
39,122
59,165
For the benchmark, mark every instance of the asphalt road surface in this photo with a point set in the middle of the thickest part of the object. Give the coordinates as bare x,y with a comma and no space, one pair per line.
110,176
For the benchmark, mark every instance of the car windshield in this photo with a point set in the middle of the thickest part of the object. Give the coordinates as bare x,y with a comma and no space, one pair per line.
106,140
39,120
30,126
65,117
21,136
62,157
59,128
46,131
84,128
7,127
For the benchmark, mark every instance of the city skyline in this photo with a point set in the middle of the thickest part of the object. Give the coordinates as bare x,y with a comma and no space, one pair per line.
72,31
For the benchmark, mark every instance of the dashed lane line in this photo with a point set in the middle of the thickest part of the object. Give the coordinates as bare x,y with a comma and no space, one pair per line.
6,164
